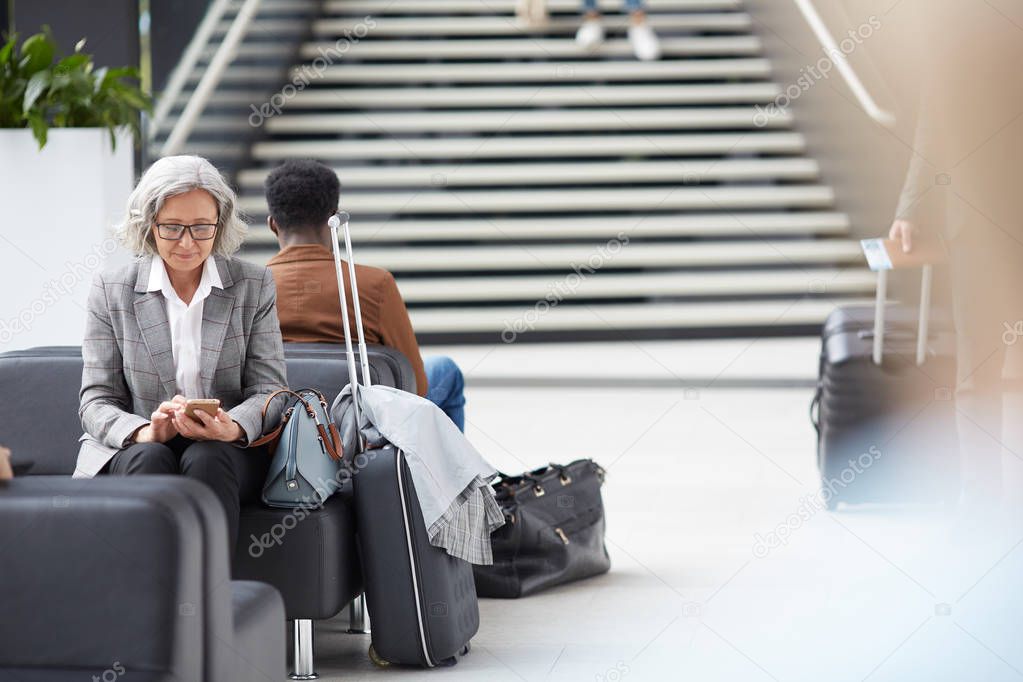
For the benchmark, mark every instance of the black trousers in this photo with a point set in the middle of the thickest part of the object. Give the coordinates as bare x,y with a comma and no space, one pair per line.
235,474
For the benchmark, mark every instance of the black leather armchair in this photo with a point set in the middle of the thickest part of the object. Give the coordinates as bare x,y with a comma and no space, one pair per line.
109,579
314,564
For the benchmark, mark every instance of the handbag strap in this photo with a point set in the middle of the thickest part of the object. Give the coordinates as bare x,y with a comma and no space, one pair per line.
276,432
328,435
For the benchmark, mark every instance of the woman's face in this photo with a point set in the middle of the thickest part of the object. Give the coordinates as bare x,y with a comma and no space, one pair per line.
195,207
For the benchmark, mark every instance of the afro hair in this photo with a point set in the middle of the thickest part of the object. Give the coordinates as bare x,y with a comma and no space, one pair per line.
302,194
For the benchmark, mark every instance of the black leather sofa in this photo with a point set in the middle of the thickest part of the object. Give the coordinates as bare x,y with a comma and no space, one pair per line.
314,564
108,580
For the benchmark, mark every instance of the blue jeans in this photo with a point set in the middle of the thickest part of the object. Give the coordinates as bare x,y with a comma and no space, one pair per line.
631,5
446,387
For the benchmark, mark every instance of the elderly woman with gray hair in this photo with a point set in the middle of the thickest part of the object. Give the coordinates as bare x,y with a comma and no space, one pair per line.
184,321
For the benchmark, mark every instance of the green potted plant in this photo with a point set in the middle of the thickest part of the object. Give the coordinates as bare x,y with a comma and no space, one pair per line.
67,166
40,91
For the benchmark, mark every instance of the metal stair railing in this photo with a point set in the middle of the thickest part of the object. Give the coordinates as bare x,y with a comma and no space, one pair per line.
859,90
222,58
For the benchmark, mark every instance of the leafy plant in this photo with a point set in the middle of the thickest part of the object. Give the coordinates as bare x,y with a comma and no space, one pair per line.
40,91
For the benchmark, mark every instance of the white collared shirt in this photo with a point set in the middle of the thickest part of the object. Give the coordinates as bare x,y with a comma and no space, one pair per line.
185,323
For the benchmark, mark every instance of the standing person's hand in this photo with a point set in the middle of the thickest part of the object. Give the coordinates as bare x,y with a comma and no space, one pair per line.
221,427
903,231
161,427
6,473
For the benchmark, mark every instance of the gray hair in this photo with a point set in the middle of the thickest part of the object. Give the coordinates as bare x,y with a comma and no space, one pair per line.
168,177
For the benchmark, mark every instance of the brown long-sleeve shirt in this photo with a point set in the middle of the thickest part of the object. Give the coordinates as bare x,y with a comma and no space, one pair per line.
308,305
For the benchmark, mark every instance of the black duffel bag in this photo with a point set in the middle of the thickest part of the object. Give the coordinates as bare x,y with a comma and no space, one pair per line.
554,532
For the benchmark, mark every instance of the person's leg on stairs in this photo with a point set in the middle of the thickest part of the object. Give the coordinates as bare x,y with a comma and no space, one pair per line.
591,34
642,37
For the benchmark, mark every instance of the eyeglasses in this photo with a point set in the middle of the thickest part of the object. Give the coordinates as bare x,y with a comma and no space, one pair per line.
174,232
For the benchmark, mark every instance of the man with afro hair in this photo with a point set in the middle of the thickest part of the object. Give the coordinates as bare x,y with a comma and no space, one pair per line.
301,196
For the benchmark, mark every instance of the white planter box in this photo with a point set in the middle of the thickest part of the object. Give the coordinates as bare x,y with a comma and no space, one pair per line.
57,206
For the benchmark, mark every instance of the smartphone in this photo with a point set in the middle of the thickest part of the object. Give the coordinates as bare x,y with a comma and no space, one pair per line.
209,406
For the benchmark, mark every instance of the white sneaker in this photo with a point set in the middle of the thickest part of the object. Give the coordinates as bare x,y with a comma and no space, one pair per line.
590,35
644,42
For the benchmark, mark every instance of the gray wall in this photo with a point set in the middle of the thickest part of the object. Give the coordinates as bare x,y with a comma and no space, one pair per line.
109,26
172,25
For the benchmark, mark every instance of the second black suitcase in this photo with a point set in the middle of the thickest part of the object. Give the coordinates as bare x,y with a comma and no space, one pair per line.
884,408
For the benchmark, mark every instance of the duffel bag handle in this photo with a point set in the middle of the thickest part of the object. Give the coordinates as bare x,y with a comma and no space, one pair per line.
504,481
562,473
533,478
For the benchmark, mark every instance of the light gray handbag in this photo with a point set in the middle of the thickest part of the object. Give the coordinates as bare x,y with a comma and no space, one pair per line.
307,465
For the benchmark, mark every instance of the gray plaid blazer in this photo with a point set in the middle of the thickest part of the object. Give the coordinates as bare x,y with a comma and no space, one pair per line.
129,365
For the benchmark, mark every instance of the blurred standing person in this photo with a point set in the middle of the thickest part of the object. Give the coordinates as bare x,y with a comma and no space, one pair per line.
964,186
642,38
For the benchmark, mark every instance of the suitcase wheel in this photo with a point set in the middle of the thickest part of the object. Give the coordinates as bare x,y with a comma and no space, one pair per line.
465,650
375,657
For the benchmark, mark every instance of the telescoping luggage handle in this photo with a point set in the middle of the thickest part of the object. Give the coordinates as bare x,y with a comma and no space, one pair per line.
357,613
340,220
926,277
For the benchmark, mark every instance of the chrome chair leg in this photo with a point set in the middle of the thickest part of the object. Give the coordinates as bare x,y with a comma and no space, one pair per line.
303,668
358,619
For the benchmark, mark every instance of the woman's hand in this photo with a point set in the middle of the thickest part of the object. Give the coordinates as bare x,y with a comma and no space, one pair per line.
220,428
161,427
902,231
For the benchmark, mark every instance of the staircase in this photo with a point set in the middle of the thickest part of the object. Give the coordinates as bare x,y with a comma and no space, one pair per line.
520,188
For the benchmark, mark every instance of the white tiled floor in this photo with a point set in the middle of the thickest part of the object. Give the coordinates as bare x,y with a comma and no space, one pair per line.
694,479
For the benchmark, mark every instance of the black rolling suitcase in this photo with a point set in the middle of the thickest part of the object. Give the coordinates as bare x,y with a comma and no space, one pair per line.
884,407
421,601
